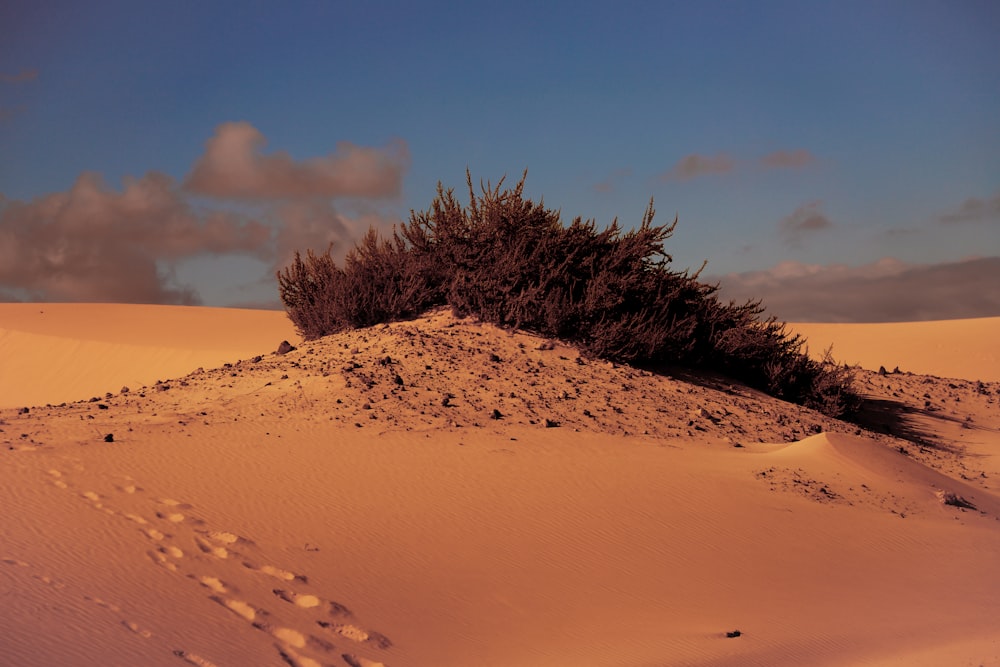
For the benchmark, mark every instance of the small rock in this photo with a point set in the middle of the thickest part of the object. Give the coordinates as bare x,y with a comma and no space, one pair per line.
882,371
285,348
732,634
110,437
551,423
496,414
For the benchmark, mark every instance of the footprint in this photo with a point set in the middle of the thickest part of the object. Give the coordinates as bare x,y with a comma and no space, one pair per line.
244,610
356,634
136,519
153,534
137,630
357,661
225,537
289,636
194,659
292,658
172,551
57,478
304,601
15,562
101,603
207,547
276,572
212,583
160,559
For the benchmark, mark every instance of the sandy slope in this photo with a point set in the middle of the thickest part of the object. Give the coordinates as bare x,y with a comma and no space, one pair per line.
354,502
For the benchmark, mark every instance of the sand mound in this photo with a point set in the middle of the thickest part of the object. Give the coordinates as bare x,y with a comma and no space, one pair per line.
440,492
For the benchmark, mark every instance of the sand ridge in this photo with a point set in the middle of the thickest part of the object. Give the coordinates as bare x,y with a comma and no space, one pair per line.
442,492
54,353
947,348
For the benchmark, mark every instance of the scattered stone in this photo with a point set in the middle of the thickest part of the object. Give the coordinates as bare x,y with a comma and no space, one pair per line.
124,390
882,371
496,414
102,406
495,358
285,347
398,380
24,411
551,423
733,634
257,359
110,437
385,361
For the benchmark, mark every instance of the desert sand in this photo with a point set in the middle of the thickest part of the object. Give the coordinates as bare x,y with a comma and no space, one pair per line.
443,492
948,348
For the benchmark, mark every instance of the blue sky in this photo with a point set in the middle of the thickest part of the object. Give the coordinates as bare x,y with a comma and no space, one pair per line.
791,138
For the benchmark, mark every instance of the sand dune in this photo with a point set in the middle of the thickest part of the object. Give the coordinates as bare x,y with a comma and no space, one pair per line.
51,353
947,348
440,492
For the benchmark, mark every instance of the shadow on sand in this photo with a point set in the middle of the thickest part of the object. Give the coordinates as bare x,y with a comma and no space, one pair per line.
921,426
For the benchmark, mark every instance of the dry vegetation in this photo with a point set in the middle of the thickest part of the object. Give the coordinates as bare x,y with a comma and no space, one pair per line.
611,293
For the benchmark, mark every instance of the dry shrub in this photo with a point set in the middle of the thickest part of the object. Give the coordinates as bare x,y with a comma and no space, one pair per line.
510,261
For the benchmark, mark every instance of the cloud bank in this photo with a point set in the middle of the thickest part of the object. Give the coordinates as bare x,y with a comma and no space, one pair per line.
696,166
91,243
233,166
885,291
796,159
94,243
803,221
974,209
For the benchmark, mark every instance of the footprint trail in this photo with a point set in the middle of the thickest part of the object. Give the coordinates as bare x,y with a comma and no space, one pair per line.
305,627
